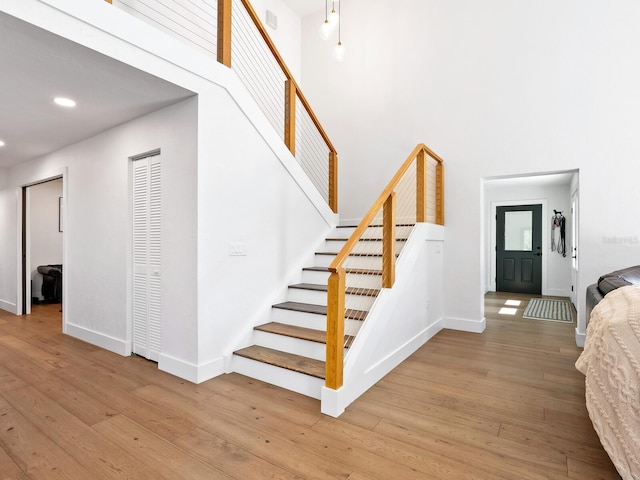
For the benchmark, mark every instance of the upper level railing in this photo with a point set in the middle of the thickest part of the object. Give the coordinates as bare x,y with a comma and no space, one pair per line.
233,30
367,261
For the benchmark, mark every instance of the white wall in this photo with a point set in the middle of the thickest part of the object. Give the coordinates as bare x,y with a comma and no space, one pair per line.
46,239
244,187
496,88
97,224
557,269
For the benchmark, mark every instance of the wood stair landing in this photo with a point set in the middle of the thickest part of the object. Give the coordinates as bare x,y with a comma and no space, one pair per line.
288,361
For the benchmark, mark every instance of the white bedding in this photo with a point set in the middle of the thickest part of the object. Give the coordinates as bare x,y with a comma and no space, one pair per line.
611,365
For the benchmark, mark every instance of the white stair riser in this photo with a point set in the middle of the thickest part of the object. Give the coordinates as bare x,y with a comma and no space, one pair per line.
297,346
357,302
362,247
353,279
376,232
366,263
342,232
315,277
294,381
310,320
358,280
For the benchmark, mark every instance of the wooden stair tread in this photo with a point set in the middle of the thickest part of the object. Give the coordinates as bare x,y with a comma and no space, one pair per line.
367,292
348,270
310,334
319,309
289,361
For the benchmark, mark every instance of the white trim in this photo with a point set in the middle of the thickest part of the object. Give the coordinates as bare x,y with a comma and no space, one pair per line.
190,371
27,252
580,338
334,402
115,345
465,324
55,173
8,306
545,240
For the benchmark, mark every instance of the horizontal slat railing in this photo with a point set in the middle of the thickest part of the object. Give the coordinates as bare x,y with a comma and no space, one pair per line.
367,260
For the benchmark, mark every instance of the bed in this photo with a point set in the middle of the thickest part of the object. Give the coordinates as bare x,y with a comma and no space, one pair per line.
611,365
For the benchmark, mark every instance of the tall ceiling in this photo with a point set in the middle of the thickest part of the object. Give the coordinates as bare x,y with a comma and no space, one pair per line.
36,66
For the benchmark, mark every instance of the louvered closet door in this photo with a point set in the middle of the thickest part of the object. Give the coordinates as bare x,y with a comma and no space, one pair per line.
147,223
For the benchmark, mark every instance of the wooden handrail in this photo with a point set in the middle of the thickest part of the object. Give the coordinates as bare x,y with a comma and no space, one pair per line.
336,284
377,205
274,51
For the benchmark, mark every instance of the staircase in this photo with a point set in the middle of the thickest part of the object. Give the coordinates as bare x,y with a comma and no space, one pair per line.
289,351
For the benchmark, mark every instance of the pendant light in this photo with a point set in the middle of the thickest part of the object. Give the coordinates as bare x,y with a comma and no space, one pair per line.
325,28
334,17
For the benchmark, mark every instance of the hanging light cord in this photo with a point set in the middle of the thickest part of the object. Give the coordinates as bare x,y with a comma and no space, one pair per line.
339,22
326,11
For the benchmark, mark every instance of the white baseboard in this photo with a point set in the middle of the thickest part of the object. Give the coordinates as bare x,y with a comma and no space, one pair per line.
580,338
9,307
115,345
334,402
465,324
558,292
190,371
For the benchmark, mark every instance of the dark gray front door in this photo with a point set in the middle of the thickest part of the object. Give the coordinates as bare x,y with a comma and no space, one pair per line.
519,249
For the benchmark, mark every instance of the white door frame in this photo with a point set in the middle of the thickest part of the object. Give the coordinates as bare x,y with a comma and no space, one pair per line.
61,172
575,242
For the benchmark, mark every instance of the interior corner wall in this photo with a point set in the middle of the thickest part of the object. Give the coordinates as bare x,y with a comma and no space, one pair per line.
496,88
97,229
558,197
44,223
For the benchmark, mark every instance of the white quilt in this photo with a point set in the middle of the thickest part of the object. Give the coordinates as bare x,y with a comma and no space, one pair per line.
611,365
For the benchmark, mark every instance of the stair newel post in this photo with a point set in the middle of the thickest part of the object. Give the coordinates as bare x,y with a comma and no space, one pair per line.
335,329
224,32
389,241
290,115
333,181
421,187
439,194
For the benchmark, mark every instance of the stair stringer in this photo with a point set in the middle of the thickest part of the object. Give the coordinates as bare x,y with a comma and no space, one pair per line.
402,319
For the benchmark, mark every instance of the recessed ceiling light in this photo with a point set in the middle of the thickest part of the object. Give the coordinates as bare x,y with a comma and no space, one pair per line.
64,102
2,144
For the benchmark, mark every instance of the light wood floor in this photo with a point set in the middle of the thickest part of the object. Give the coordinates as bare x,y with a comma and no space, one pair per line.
505,404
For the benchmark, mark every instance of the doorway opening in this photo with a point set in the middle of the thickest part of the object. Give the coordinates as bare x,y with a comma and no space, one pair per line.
553,192
42,248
